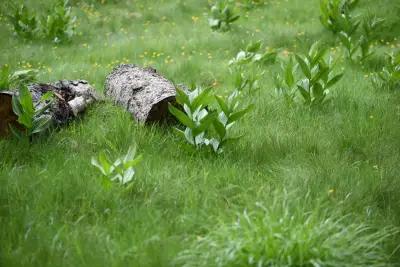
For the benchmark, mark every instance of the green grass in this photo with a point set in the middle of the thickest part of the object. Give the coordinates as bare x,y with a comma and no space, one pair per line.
336,168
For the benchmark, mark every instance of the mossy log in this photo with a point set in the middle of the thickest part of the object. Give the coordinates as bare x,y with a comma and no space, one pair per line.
142,91
70,98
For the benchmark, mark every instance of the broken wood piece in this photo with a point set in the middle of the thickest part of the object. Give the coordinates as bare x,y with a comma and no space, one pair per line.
70,99
142,91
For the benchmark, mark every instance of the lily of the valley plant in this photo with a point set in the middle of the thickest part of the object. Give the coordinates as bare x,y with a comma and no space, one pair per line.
199,119
32,118
121,170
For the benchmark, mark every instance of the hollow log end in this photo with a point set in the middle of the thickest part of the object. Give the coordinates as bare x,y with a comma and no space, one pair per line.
7,115
159,111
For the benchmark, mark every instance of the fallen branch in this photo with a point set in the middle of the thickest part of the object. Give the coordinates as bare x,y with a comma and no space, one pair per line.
70,99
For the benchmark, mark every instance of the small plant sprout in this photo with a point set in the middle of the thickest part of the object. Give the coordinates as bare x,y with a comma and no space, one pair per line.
32,118
336,15
195,115
285,85
248,81
318,76
349,44
253,54
10,80
121,170
228,116
222,16
370,28
389,77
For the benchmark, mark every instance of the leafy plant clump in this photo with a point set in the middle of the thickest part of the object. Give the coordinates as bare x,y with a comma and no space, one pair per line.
10,80
230,113
121,170
195,115
33,118
57,25
389,77
370,28
199,119
336,15
222,16
282,234
248,80
316,79
247,65
24,22
285,83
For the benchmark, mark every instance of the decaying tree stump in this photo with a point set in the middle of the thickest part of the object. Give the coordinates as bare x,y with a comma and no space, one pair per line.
70,98
142,91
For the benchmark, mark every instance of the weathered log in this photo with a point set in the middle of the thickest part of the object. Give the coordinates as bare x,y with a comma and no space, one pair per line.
142,91
70,98
7,115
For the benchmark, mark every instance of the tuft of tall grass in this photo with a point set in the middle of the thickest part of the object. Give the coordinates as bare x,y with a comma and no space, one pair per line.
279,233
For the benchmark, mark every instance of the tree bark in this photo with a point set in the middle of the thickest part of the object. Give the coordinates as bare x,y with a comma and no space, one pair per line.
7,115
70,99
142,91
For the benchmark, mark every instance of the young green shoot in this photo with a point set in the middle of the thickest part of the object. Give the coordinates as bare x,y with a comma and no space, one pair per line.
120,170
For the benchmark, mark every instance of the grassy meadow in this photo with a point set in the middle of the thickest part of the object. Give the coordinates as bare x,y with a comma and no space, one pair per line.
303,187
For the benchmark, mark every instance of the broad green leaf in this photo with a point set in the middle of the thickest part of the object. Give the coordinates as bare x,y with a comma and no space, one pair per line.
313,50
345,39
16,106
133,162
254,47
43,109
205,123
237,115
318,56
130,154
306,95
41,124
105,163
304,67
322,72
202,99
128,176
220,128
182,117
214,23
25,99
289,77
221,102
334,80
189,136
318,90
182,97
233,19
95,163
